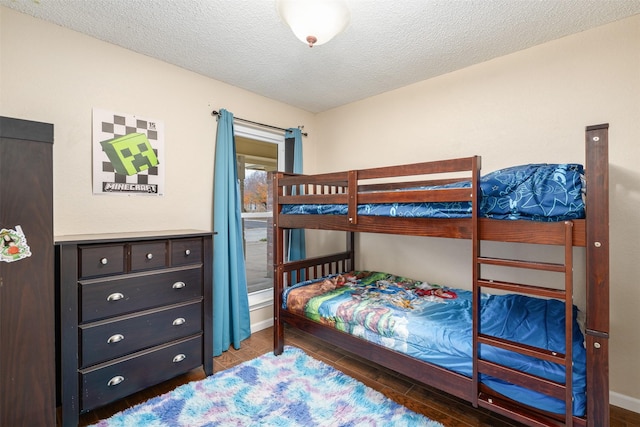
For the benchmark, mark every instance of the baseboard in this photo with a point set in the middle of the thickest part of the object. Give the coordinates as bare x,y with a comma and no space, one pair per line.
260,299
258,326
625,402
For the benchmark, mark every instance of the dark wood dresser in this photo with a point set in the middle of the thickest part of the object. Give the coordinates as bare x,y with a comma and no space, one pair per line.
27,314
135,310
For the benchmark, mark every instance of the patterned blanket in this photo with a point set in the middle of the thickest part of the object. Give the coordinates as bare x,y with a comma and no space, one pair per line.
433,323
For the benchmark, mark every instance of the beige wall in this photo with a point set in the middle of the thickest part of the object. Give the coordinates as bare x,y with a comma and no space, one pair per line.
531,106
57,76
54,75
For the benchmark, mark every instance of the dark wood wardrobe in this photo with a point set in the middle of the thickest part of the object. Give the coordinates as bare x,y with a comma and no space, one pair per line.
27,295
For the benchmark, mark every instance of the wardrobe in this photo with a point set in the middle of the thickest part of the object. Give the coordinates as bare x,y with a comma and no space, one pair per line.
27,294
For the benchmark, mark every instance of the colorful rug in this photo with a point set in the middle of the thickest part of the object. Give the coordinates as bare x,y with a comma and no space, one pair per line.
292,389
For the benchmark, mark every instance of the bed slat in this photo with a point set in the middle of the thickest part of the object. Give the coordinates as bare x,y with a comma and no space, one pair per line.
513,376
528,350
516,412
539,291
424,168
416,196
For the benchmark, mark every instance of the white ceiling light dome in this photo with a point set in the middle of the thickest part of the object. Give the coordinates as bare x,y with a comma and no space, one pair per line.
314,22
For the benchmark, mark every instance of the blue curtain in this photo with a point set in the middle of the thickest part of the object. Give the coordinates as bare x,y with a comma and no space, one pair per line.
296,237
231,323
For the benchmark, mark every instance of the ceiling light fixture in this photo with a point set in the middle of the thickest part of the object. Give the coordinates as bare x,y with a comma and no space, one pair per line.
314,22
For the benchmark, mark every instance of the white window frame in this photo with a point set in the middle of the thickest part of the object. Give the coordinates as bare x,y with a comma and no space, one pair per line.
264,297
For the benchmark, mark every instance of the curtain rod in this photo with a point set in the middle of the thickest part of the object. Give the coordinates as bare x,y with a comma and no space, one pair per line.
215,113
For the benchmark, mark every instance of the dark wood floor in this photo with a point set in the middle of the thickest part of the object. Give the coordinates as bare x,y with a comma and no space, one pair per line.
448,410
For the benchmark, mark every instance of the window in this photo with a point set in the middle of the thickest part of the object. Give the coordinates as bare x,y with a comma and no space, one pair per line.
258,152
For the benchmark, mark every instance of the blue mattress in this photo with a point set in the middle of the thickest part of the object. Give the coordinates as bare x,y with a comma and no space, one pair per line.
536,192
433,324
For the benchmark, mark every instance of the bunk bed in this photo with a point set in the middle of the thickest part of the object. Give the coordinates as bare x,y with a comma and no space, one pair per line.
343,201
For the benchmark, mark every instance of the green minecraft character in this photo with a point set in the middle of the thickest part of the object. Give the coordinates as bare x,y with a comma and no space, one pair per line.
130,154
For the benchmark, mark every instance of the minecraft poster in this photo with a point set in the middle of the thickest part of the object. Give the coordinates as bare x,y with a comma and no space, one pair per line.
128,154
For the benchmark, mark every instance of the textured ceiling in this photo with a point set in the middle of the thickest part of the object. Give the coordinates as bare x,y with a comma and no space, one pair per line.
387,45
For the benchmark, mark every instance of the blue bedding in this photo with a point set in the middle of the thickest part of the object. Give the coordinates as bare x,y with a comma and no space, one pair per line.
536,192
433,323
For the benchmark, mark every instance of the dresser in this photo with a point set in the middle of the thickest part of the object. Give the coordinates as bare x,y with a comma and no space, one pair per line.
27,313
135,309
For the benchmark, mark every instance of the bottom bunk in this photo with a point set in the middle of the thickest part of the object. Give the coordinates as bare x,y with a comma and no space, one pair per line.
424,331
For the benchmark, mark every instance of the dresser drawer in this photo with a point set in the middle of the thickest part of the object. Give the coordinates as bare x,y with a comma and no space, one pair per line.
101,341
114,296
108,382
145,256
101,260
186,251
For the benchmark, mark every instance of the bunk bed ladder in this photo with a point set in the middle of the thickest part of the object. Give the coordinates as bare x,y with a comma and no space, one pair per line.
555,389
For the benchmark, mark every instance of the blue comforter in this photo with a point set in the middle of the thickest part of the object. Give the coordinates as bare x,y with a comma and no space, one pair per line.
433,323
536,192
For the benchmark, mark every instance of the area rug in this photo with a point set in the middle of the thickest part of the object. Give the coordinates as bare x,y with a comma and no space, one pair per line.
292,389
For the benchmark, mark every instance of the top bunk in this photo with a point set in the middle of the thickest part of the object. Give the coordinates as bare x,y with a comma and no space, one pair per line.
526,204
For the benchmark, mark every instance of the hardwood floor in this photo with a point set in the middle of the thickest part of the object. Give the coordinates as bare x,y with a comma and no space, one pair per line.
439,406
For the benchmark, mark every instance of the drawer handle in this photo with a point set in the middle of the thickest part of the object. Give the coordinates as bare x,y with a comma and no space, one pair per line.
179,358
115,296
179,321
115,338
104,261
149,256
187,252
179,285
115,380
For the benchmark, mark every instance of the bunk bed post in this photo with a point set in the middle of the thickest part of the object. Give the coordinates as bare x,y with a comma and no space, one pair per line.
568,322
476,274
352,187
278,272
351,250
597,259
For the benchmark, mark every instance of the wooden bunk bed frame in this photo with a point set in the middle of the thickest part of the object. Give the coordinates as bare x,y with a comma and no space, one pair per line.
591,233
